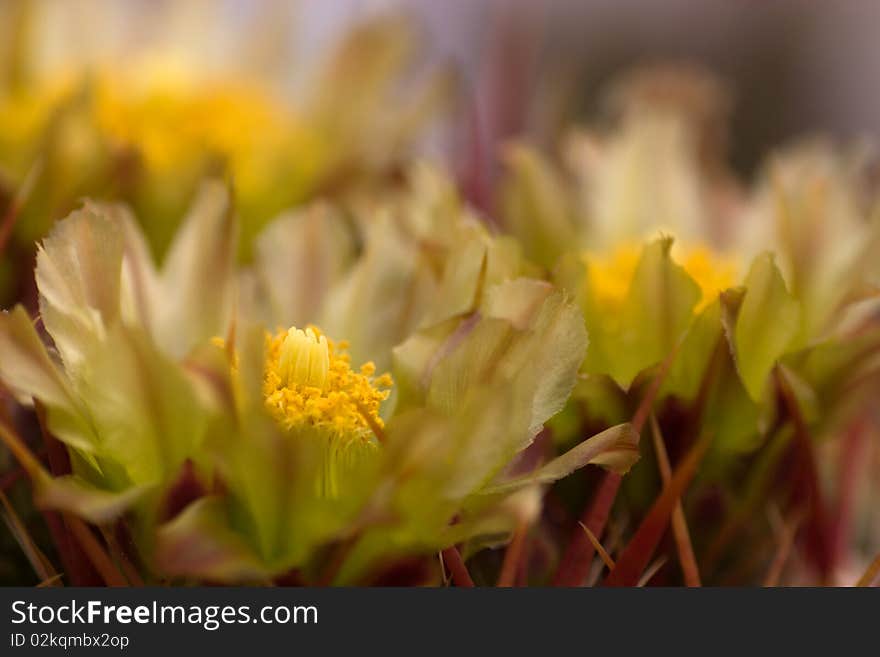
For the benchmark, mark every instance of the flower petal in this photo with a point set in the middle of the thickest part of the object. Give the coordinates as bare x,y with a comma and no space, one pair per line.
78,275
616,449
655,314
300,257
198,277
75,495
766,324
29,373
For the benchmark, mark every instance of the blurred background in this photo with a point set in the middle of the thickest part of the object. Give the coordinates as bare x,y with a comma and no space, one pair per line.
791,66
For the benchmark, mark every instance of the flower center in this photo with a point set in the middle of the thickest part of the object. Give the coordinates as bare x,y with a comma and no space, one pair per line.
611,275
304,359
713,272
309,383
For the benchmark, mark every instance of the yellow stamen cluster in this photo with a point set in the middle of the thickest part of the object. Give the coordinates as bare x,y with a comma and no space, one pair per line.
309,383
611,275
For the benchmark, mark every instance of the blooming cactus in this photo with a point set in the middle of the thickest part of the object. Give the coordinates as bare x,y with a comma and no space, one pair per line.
295,444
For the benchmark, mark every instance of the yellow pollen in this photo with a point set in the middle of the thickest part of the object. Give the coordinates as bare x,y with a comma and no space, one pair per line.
611,275
308,382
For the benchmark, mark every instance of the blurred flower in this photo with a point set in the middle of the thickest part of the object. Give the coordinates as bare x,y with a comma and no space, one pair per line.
149,133
647,229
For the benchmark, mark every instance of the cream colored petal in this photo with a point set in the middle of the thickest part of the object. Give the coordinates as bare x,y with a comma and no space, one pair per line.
300,257
198,277
78,276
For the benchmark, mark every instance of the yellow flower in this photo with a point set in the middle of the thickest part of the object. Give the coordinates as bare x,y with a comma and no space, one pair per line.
611,274
171,122
147,132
